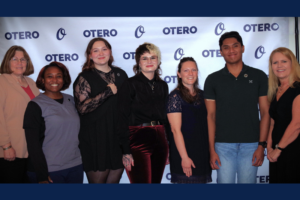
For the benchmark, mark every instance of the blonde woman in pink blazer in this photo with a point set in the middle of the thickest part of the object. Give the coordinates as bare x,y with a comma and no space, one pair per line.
16,90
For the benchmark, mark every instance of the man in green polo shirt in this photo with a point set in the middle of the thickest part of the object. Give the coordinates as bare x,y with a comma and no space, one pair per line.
236,136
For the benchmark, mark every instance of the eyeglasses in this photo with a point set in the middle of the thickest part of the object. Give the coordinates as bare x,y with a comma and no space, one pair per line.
152,59
16,60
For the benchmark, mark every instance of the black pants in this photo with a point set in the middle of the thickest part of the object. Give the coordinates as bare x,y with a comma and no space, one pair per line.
149,149
13,171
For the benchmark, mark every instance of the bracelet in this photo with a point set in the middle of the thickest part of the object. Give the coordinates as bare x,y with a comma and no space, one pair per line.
277,147
6,148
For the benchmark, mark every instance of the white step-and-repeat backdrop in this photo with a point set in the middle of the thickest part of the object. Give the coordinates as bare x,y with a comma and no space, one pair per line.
64,39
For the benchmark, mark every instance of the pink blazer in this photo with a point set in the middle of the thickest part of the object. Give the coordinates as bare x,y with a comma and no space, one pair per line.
13,103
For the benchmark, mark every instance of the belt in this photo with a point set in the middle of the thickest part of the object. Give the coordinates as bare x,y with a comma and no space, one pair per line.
152,123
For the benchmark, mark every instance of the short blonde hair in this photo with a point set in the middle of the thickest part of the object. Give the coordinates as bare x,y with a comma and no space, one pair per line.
155,50
144,48
273,79
5,65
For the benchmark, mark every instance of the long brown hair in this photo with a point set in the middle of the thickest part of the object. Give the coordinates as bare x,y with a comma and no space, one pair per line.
89,63
184,91
147,48
5,65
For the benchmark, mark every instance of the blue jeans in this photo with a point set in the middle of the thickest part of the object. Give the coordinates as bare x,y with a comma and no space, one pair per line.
236,158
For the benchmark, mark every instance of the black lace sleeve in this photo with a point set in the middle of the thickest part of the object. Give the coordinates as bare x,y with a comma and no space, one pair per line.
174,103
83,102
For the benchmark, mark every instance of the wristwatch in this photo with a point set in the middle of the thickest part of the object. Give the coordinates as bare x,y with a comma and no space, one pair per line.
264,144
277,147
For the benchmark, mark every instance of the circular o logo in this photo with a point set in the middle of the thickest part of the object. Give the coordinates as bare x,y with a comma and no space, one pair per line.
60,34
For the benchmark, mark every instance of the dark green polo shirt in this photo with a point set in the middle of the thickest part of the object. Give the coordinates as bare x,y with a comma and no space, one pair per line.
237,111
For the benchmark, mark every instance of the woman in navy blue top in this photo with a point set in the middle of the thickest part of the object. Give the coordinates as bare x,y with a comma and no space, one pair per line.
189,152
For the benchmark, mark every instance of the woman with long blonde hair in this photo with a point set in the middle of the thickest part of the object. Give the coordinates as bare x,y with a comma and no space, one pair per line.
284,96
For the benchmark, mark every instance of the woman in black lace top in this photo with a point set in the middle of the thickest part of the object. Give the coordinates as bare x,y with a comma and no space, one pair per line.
142,115
189,152
95,97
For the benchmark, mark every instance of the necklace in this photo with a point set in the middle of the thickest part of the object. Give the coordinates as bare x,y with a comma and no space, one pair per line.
20,81
152,86
281,89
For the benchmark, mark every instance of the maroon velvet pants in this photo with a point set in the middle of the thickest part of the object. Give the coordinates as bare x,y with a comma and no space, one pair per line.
149,149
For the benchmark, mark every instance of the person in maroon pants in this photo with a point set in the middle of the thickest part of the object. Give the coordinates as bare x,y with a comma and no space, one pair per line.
142,100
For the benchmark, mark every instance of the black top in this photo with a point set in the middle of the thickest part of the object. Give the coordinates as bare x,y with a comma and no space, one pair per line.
286,169
195,134
138,104
82,92
237,116
34,113
98,141
281,112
